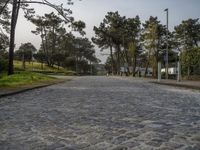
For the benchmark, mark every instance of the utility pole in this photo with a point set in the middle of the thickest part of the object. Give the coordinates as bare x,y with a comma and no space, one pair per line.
179,68
32,60
111,55
159,71
76,61
167,40
91,70
76,56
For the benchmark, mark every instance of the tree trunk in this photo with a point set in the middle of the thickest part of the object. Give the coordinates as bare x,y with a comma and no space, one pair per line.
14,17
127,60
47,48
134,66
155,67
42,65
23,62
44,46
146,69
112,60
188,72
147,65
122,59
118,60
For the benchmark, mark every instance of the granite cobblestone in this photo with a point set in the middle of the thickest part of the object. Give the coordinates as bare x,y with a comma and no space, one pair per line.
101,113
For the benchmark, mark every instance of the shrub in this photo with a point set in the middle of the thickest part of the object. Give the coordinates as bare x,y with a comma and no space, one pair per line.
3,65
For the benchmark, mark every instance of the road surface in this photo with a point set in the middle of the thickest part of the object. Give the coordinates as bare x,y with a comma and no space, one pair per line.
101,113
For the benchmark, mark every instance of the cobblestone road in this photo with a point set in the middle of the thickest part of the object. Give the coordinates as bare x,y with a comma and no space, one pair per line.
101,113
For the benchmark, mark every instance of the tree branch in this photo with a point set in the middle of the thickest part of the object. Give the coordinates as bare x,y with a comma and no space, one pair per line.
59,10
4,6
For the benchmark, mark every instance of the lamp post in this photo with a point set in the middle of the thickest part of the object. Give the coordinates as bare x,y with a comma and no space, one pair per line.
179,69
179,66
77,47
167,49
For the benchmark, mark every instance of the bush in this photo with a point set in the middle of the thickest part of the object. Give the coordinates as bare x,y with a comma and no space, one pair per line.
3,65
190,62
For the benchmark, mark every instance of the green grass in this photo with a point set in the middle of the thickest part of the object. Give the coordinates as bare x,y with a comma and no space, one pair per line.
23,79
33,74
2,74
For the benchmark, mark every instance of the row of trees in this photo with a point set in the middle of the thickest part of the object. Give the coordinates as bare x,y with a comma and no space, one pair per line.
72,53
133,43
58,47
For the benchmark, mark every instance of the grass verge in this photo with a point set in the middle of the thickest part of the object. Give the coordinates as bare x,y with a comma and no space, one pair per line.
24,79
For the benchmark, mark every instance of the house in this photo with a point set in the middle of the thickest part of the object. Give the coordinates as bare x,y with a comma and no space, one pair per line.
138,70
171,71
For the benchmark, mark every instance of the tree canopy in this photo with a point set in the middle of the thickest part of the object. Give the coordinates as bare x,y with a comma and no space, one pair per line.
143,45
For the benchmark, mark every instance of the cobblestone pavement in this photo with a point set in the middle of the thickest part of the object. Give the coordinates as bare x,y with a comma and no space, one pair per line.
101,113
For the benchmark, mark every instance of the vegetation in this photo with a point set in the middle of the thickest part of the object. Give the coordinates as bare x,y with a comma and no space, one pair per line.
187,36
38,67
191,62
132,43
61,48
25,53
23,79
29,13
4,41
58,48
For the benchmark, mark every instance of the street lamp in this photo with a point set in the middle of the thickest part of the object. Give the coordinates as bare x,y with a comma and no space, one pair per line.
167,49
77,46
179,66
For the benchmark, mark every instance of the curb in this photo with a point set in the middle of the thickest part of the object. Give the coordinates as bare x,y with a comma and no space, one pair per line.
10,93
177,85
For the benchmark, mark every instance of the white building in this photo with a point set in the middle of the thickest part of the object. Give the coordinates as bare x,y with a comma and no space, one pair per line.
138,69
171,71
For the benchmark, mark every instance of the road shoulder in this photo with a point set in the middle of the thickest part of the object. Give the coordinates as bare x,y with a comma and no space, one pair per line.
183,84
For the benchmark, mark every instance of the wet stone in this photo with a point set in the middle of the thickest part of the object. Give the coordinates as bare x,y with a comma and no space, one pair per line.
55,146
120,148
192,148
155,142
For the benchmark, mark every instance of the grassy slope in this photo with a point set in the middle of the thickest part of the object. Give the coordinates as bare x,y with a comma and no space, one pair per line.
37,67
22,79
33,74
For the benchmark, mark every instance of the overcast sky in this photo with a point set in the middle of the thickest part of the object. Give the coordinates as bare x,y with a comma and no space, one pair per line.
92,13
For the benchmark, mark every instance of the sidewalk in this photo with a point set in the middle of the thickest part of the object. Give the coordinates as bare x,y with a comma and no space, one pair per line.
184,83
13,91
